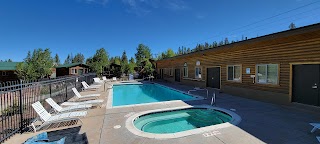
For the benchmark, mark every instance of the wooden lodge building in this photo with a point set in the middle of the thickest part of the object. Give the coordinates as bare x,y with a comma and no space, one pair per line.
281,68
7,71
72,69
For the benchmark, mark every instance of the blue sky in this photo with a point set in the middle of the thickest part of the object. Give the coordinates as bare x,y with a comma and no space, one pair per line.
72,26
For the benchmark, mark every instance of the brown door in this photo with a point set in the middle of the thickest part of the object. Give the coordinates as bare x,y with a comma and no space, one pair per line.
305,87
213,77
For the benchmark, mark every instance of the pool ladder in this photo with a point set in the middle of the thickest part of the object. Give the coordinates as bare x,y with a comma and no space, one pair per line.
198,89
213,99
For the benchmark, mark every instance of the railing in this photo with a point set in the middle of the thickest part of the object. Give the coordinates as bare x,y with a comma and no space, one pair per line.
16,98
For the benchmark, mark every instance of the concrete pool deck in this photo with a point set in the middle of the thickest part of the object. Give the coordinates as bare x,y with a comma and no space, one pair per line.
261,123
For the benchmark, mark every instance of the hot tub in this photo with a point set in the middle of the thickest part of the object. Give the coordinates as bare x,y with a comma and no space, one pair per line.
171,123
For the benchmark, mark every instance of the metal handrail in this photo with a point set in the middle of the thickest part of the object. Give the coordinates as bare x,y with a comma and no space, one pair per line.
199,89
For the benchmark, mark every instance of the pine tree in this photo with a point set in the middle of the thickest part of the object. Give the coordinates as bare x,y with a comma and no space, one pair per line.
292,26
226,41
78,58
124,63
57,59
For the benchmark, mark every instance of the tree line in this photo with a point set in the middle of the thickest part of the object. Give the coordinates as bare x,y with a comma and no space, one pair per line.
39,63
199,47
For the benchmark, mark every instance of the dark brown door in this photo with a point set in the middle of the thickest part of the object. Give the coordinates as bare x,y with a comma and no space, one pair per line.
177,75
213,77
305,87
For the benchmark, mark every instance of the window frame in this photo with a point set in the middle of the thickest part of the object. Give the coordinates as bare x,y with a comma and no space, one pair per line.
185,70
233,66
266,71
170,72
195,72
73,71
4,73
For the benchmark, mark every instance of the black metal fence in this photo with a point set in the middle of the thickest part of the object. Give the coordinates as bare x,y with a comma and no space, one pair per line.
16,97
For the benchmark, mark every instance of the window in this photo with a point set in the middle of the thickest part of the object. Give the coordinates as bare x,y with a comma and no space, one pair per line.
73,71
198,72
234,73
267,73
170,71
185,70
4,73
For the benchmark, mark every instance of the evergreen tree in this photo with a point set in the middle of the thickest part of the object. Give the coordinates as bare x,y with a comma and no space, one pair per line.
131,65
206,45
68,60
57,59
170,53
37,65
184,50
292,26
188,50
78,58
99,61
143,52
124,63
226,41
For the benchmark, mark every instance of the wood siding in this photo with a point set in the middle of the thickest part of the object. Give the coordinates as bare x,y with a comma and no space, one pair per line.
295,46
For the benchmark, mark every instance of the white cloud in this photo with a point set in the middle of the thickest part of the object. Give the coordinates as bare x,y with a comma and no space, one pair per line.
176,5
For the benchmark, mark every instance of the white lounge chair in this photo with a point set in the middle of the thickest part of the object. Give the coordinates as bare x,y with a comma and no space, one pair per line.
87,87
59,109
89,96
315,126
97,80
114,78
92,102
104,78
48,119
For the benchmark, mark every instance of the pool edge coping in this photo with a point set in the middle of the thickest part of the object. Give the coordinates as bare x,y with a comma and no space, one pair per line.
110,97
236,119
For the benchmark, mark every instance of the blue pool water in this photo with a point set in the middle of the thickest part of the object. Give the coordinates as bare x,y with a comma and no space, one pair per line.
145,93
180,120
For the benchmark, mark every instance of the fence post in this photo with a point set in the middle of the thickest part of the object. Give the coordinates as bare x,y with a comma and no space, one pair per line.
21,107
50,89
66,85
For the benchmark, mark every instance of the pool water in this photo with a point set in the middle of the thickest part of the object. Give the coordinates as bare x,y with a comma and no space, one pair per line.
180,120
145,93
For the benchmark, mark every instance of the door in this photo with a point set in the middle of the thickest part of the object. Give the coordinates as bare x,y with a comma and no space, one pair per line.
305,84
80,72
213,77
177,75
161,75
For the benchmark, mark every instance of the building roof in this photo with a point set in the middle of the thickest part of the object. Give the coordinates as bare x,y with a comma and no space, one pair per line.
71,65
8,65
312,27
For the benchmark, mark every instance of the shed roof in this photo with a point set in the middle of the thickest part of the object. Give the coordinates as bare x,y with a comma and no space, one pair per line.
8,65
71,65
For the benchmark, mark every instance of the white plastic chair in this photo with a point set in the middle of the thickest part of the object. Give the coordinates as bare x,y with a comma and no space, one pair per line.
315,126
92,102
97,80
48,119
87,87
79,96
59,109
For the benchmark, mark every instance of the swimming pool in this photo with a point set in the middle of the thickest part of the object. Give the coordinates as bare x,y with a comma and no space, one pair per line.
130,94
180,120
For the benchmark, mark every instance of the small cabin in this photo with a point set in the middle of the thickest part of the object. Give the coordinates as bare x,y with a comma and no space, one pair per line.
72,69
7,71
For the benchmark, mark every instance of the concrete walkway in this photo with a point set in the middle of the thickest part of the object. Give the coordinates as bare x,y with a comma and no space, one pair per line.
261,123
